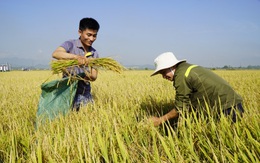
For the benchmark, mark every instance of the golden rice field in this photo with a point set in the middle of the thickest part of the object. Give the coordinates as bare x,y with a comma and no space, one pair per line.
115,128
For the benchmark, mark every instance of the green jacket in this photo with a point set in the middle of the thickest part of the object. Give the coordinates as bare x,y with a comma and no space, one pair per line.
198,87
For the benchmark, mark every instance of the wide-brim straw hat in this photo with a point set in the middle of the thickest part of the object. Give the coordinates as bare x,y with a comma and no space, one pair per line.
164,61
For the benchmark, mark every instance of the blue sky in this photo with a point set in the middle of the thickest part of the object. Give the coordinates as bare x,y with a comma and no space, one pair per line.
211,33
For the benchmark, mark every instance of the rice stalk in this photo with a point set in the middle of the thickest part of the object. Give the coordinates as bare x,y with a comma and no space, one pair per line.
121,144
60,66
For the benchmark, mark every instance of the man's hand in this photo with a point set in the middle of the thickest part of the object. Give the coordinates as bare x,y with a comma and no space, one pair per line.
156,121
82,60
159,120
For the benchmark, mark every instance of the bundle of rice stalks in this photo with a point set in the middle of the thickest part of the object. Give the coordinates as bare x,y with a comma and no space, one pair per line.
59,66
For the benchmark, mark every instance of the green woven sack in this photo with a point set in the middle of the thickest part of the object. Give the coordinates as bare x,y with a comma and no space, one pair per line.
56,99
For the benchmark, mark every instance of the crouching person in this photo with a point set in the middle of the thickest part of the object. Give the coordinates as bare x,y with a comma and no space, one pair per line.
196,88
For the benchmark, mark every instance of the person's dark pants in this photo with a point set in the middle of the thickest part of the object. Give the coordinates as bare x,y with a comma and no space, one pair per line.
82,100
234,111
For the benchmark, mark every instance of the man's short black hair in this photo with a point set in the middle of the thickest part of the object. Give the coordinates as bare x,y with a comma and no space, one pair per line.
88,23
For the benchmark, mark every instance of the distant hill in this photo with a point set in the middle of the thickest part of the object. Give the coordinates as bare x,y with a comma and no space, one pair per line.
19,63
146,66
22,63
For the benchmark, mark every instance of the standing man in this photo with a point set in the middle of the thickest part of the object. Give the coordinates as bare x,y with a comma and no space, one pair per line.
81,49
196,88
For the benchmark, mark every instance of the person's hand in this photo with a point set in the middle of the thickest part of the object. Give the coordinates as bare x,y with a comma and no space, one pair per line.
82,60
155,120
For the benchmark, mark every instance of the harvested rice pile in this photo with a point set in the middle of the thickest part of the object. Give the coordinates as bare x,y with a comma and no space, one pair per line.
59,66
